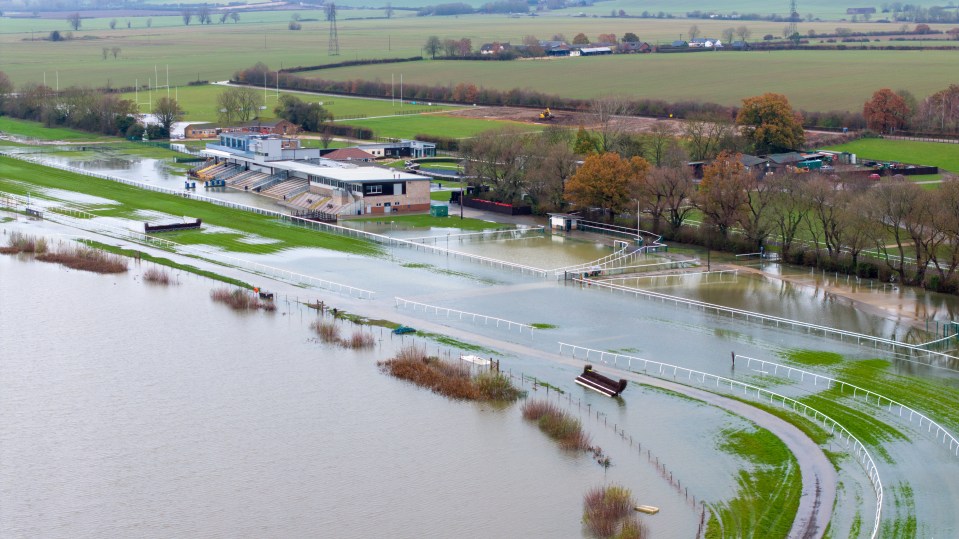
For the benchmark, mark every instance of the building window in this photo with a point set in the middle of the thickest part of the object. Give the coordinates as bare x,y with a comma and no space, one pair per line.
374,190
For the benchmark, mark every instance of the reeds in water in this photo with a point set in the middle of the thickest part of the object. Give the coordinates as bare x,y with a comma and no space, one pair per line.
607,513
239,299
557,424
19,242
453,380
329,332
84,258
157,276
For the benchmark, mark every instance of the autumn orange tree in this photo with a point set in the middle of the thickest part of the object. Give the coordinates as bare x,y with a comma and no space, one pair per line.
606,181
886,111
723,194
770,123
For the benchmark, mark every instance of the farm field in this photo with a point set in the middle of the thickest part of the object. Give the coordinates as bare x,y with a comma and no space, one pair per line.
444,126
943,155
199,103
214,52
812,80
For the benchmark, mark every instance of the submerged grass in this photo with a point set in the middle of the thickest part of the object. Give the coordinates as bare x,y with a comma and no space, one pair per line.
239,299
557,424
19,242
329,332
769,491
451,379
607,511
157,276
19,177
140,255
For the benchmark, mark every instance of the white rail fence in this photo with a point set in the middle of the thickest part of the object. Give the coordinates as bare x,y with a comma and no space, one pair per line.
324,227
463,315
842,335
87,221
487,235
674,372
667,276
880,401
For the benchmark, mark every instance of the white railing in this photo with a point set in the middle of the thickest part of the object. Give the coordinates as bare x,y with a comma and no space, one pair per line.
325,227
623,253
511,234
634,277
400,302
86,221
871,397
842,335
664,370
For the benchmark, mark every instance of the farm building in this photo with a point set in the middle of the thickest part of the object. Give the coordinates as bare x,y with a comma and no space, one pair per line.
209,130
301,180
200,130
494,48
595,51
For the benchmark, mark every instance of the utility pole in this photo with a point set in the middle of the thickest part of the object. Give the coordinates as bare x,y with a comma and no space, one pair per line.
334,45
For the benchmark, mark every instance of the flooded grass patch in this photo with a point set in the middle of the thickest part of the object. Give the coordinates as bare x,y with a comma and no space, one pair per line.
22,177
607,512
239,299
454,343
19,242
428,221
769,492
83,258
863,425
157,276
813,357
140,255
329,332
540,325
557,424
455,380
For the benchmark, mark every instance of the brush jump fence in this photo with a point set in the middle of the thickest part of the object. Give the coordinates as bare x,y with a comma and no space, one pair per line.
674,373
463,315
315,225
85,221
911,350
870,397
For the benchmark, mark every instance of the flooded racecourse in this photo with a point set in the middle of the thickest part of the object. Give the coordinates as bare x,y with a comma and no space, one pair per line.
137,410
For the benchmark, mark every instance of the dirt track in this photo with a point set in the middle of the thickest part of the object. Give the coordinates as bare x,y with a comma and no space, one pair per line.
631,124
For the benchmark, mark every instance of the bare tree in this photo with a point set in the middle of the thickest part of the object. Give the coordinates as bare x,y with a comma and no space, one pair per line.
788,208
113,24
743,32
693,32
603,116
106,52
902,208
203,15
149,22
551,162
115,51
497,158
187,15
235,17
706,135
74,21
167,112
389,10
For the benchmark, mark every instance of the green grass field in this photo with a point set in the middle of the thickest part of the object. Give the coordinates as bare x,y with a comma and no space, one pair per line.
216,51
37,130
812,80
446,126
428,221
942,155
199,103
18,177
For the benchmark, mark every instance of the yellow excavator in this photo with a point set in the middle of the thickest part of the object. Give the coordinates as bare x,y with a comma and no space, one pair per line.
546,115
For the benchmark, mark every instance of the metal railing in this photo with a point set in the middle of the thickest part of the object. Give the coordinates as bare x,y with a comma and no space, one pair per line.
86,221
325,227
842,335
888,406
664,370
400,302
488,235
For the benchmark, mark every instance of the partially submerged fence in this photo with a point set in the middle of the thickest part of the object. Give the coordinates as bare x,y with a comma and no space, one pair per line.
674,372
870,397
464,315
846,336
325,227
86,221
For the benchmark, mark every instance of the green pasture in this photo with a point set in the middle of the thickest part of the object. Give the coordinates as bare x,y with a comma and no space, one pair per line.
940,154
199,103
20,177
812,80
214,52
445,126
37,130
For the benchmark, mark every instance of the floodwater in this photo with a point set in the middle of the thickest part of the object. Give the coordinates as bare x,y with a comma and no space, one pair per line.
158,413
